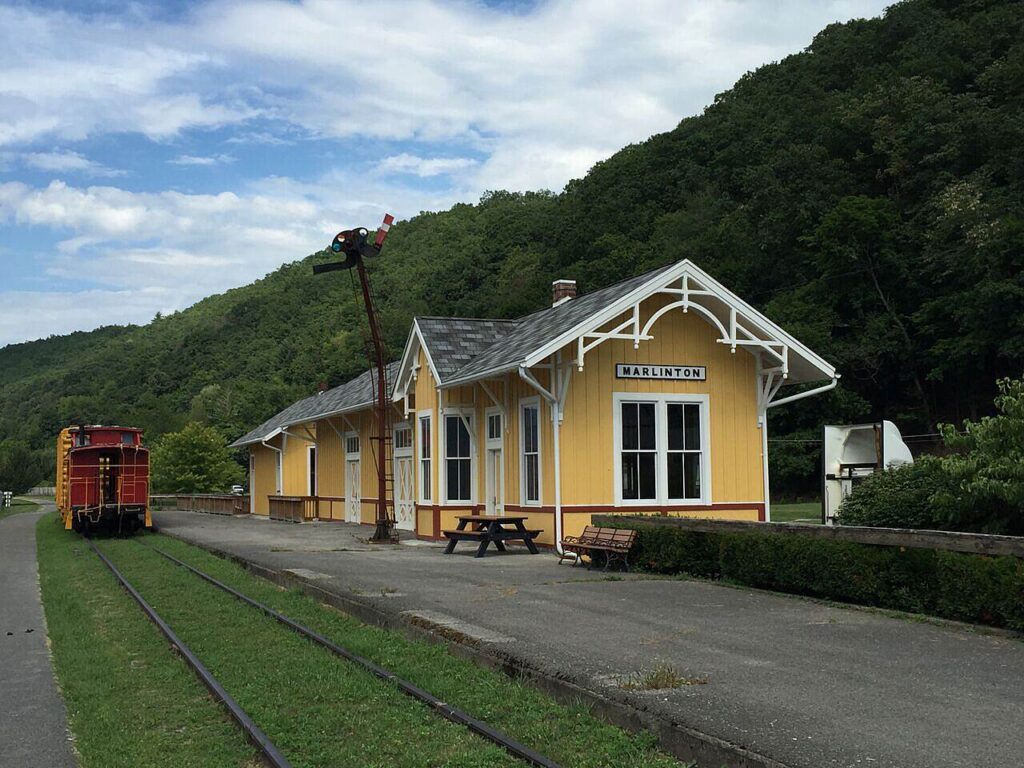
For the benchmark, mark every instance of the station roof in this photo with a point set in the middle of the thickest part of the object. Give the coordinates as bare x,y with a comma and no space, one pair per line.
353,395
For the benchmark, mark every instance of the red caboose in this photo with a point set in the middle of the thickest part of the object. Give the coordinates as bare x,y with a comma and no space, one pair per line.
103,479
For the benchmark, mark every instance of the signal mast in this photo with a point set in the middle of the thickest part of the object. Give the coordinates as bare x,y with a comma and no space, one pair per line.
356,247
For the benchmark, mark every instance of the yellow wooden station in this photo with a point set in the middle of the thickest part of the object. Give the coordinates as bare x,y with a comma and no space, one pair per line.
645,397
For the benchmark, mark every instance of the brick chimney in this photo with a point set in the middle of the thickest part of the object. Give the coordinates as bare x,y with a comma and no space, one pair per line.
562,291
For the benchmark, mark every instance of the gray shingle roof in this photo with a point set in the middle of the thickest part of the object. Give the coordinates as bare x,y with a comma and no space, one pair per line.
454,341
350,396
530,333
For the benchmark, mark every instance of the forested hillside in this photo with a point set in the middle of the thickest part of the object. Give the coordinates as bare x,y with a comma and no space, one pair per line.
867,193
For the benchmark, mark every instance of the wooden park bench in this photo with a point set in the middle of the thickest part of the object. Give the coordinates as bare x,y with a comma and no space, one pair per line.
615,543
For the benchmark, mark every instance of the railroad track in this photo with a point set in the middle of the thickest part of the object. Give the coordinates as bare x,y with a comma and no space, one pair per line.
270,752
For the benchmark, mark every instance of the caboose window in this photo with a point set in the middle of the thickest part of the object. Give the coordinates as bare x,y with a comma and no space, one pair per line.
127,438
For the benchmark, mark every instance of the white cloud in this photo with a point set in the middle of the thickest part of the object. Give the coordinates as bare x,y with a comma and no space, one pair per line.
60,162
219,159
424,166
162,251
479,98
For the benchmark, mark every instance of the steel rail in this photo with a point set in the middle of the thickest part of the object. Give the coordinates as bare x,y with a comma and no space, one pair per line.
444,709
257,736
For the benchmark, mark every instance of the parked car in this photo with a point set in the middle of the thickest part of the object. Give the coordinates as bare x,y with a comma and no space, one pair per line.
238,490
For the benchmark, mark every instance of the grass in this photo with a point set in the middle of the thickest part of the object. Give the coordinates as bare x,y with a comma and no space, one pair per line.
804,512
130,701
320,710
661,677
19,504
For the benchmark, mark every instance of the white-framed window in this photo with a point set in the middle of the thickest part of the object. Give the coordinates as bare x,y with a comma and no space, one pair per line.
351,446
662,451
529,451
424,454
311,470
403,439
458,457
494,425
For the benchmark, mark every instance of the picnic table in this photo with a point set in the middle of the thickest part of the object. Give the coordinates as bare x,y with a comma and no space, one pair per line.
491,528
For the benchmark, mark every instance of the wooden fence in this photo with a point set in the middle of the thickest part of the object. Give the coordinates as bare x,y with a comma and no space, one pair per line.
214,504
953,541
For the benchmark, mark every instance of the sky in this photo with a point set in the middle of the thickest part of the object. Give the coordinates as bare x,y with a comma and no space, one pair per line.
153,153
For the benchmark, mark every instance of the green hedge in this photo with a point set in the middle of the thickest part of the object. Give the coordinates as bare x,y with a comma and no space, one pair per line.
965,587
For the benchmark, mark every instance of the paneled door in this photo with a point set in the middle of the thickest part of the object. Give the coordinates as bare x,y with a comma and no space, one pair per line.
353,496
405,501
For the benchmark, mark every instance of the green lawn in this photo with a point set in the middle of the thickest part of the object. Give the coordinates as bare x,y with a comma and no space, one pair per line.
804,512
320,710
19,505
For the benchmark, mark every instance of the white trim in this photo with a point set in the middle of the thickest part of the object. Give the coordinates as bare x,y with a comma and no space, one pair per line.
310,450
402,426
407,367
252,480
494,442
661,400
279,473
427,414
524,403
466,416
352,455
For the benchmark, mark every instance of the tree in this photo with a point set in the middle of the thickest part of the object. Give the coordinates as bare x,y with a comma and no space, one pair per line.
20,469
194,460
987,467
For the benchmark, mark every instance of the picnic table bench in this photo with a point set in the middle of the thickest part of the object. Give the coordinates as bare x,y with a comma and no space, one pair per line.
615,543
486,529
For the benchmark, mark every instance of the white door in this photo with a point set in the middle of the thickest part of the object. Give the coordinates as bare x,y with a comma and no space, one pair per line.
495,484
405,506
404,488
353,496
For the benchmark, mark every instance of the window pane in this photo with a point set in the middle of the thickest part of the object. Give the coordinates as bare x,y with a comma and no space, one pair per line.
692,427
630,485
692,472
451,435
463,438
675,427
530,429
675,476
630,422
453,479
648,486
532,478
425,478
465,479
647,440
425,437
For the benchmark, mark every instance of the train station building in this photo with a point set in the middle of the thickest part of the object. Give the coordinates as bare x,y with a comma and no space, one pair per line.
648,396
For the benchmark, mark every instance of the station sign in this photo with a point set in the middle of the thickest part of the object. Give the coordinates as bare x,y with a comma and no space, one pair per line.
665,372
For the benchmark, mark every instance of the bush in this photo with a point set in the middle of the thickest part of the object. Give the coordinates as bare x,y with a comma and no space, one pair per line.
20,468
195,460
898,498
978,487
952,585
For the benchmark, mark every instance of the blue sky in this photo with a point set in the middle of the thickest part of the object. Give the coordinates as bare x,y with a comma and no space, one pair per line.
155,153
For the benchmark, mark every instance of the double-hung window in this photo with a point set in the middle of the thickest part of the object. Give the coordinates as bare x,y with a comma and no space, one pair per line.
425,446
529,421
661,449
458,459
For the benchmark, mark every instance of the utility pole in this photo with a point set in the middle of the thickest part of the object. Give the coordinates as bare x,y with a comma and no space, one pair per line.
356,247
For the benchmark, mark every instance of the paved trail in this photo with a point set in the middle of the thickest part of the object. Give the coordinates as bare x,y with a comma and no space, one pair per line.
33,724
808,684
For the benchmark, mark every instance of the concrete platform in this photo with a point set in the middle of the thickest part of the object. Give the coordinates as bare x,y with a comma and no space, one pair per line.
795,681
33,723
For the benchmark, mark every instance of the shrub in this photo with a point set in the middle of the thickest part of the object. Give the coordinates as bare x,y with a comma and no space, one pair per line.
898,498
978,487
953,585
